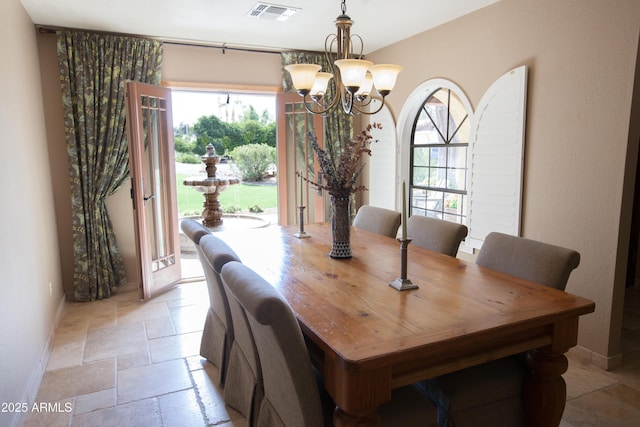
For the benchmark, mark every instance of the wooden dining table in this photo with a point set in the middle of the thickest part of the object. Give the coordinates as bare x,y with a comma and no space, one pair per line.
368,338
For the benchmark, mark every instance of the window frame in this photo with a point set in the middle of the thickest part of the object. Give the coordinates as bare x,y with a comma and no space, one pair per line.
405,125
445,136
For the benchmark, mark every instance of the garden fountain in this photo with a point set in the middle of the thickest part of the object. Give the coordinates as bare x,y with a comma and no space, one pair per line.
211,187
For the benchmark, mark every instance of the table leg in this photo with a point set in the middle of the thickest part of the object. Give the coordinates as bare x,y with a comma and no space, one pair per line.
545,390
357,393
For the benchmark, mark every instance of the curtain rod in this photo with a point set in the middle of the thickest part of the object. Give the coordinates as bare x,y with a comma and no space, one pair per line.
52,30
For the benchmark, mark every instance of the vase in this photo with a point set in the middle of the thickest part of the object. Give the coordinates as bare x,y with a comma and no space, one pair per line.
340,227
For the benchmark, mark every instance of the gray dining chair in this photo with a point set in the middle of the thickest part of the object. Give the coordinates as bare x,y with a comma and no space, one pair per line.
218,332
436,234
291,393
378,220
194,230
244,388
493,393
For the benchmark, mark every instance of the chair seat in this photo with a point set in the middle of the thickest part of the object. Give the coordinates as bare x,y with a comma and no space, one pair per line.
480,393
407,407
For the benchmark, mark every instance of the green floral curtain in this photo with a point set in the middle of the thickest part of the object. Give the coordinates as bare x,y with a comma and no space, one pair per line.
93,69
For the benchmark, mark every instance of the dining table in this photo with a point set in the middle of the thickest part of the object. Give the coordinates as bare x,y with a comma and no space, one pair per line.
368,338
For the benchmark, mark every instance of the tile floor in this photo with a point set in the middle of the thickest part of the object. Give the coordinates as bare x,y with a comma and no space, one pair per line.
119,362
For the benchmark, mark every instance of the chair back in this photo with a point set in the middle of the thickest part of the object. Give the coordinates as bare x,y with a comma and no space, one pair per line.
195,231
243,388
291,397
528,259
436,234
378,220
217,253
218,332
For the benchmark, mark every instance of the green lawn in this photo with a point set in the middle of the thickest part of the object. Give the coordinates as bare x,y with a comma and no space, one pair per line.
240,196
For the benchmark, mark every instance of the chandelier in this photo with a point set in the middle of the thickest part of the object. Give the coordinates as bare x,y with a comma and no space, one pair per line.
354,78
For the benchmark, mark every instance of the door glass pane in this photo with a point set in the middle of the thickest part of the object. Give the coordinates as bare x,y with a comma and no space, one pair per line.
157,183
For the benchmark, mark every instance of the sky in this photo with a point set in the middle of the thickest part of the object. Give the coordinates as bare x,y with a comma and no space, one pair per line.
188,106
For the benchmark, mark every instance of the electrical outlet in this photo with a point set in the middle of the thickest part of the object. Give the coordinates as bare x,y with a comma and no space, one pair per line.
50,289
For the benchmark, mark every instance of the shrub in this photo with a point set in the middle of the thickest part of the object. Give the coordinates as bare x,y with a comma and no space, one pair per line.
188,158
253,160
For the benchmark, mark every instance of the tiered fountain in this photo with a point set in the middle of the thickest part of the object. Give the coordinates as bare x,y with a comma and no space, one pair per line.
211,187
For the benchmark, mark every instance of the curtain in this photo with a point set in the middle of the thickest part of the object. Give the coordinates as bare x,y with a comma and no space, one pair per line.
93,69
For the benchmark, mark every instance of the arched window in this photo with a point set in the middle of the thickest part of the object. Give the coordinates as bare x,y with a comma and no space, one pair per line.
438,156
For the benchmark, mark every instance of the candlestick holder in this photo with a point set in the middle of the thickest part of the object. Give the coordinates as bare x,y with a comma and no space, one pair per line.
301,234
402,283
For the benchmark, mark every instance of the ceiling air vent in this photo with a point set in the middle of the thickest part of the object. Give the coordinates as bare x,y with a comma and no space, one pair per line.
272,12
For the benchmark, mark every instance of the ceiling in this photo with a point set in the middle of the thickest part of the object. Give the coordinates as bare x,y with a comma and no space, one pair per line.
225,22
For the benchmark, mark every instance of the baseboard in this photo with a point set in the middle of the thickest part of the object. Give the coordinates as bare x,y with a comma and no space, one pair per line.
603,362
35,380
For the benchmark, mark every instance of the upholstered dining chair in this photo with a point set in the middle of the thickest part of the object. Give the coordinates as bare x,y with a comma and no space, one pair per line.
218,332
378,220
195,231
291,394
493,393
436,234
243,389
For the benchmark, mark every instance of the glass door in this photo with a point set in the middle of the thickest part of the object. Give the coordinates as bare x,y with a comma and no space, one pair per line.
295,154
151,158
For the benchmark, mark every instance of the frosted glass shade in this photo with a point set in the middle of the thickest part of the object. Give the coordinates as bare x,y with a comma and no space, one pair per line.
384,76
352,72
320,84
303,75
366,86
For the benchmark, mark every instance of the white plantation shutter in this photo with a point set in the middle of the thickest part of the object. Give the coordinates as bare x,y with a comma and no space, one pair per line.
382,167
496,158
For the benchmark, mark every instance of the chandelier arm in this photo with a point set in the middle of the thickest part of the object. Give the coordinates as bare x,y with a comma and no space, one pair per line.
347,101
319,107
353,36
328,47
368,113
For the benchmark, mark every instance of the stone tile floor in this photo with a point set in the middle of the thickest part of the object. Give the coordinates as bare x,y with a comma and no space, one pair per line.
120,362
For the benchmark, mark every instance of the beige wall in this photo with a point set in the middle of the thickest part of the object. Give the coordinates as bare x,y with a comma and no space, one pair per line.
206,65
29,252
581,58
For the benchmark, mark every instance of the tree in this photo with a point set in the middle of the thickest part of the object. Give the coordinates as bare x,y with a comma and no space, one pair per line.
209,130
182,144
249,113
